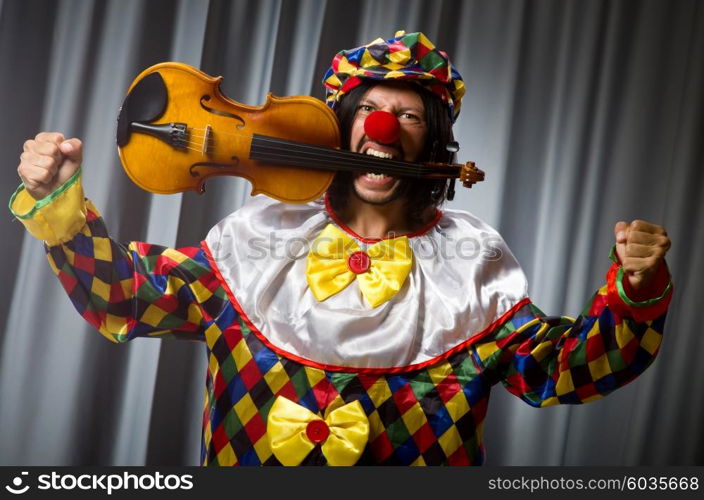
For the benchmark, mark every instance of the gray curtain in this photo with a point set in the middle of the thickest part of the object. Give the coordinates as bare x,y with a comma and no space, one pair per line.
582,113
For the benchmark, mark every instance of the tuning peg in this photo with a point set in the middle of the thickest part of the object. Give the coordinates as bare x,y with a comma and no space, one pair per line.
470,174
452,147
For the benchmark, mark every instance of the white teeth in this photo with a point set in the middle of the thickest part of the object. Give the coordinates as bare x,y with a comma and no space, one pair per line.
376,176
379,154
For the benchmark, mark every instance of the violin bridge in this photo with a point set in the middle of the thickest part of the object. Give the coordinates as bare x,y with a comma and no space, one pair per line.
207,141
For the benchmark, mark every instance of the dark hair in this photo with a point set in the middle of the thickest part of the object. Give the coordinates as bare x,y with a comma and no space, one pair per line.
420,194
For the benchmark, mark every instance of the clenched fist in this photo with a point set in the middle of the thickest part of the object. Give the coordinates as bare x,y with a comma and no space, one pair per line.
47,162
641,248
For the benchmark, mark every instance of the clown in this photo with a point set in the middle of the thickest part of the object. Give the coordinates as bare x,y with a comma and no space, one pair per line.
373,339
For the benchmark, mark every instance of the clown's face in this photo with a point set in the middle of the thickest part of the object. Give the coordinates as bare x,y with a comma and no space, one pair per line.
407,106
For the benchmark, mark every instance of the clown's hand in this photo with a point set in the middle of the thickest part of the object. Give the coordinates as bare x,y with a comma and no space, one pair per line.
641,248
47,162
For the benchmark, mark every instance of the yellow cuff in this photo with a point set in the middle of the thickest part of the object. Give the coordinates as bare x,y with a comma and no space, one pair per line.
55,219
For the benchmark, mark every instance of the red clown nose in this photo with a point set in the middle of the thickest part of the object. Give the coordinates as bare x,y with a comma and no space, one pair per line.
382,126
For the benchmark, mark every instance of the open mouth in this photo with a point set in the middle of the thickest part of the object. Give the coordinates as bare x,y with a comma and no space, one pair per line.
378,177
374,179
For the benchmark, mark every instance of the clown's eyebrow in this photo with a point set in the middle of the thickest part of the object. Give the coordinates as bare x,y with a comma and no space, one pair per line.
366,101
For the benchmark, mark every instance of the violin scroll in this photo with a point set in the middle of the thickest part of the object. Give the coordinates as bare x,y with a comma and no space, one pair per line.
470,174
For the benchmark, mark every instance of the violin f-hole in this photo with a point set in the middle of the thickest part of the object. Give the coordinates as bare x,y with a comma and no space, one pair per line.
206,98
205,164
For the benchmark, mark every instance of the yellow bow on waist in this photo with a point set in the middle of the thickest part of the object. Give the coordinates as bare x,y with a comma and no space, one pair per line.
336,260
293,431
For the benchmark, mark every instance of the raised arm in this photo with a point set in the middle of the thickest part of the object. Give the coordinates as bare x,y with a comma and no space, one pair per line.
553,360
124,291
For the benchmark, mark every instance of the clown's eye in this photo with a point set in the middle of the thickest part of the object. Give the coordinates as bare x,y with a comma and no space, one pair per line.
365,108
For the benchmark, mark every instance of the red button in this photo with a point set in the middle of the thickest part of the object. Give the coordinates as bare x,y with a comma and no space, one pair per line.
359,262
317,431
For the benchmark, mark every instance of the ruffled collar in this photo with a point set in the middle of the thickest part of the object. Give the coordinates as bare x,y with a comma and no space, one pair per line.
463,282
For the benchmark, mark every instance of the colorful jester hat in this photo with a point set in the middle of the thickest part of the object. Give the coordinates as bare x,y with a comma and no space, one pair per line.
405,57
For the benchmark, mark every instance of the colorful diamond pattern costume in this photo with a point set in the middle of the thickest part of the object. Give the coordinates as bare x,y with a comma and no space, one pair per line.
429,415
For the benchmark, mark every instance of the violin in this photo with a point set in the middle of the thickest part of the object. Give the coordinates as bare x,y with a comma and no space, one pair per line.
176,129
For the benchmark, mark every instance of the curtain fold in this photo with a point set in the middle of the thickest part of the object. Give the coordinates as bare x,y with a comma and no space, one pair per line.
581,113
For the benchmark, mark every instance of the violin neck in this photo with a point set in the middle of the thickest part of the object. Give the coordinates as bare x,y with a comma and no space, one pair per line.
284,152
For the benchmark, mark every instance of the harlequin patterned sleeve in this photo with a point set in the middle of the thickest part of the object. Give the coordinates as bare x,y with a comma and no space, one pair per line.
125,291
559,360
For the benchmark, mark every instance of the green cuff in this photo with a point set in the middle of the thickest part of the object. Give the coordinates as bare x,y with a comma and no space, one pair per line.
56,218
39,204
644,303
612,254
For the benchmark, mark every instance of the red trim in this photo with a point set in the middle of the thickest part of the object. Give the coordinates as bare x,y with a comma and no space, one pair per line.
613,298
351,369
369,241
655,289
640,314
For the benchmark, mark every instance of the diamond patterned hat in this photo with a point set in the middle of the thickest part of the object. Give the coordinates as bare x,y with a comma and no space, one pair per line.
405,57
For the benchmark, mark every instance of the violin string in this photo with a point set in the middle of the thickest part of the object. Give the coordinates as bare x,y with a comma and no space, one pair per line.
324,163
349,157
352,164
356,159
355,163
320,164
316,153
312,147
284,151
189,145
287,143
278,156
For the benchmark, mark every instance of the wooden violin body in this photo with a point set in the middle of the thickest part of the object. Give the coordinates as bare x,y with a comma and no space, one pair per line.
201,133
176,129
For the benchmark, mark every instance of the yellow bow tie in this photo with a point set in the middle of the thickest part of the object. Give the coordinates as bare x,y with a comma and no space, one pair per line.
293,431
336,260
